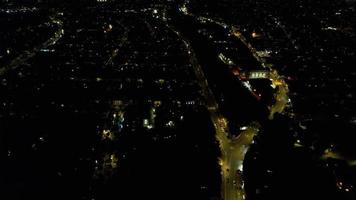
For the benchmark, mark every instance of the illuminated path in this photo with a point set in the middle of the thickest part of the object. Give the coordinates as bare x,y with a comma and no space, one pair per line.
21,59
234,150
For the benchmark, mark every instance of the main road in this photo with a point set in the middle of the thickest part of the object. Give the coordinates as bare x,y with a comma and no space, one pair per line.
26,55
233,150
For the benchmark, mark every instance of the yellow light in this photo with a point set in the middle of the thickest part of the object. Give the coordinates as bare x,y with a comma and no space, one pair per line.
254,34
220,162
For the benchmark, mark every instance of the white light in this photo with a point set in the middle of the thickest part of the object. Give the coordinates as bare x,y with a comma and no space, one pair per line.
243,128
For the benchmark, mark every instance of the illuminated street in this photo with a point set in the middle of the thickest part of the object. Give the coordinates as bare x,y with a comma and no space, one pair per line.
177,99
31,53
234,149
